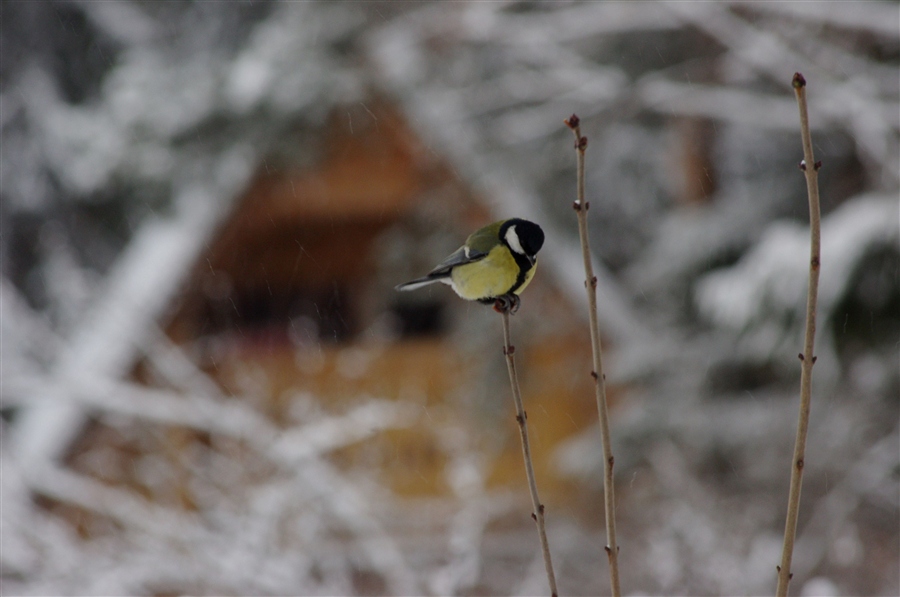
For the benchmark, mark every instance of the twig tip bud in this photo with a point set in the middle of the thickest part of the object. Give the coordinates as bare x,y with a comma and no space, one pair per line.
572,121
798,81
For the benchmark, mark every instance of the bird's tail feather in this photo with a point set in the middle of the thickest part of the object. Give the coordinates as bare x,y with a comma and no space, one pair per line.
417,283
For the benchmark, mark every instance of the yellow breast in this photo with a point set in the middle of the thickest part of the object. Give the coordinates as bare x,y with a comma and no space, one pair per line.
490,277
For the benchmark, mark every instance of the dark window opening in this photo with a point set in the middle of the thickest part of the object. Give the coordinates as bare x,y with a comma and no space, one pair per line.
297,316
419,319
8,413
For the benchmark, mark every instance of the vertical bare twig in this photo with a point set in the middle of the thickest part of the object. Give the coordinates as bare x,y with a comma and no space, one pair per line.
538,512
810,167
609,493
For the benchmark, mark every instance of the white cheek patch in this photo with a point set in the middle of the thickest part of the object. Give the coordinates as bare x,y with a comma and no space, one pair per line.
512,239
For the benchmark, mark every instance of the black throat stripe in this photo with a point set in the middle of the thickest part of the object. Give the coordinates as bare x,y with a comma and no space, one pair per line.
525,264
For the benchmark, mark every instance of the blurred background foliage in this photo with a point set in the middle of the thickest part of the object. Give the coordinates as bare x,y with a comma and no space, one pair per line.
209,385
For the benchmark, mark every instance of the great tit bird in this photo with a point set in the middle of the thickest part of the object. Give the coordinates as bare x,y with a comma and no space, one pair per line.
496,264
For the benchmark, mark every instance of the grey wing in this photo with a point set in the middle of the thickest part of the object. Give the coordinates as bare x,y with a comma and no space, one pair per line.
441,273
461,256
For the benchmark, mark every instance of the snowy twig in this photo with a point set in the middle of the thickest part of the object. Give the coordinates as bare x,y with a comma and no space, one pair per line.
124,506
810,167
767,53
609,495
538,512
226,418
870,471
107,339
466,475
175,367
352,510
872,18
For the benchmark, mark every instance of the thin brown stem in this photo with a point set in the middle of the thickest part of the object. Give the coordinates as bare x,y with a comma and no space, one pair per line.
521,418
590,284
807,358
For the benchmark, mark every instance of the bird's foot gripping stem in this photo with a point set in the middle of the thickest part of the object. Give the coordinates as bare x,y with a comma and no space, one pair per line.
508,303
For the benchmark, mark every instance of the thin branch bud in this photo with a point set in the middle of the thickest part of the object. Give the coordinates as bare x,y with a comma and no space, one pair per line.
590,284
537,513
812,186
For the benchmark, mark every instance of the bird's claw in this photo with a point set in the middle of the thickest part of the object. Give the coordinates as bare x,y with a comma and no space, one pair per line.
508,303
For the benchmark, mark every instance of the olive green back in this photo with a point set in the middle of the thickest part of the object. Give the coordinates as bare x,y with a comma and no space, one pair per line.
484,239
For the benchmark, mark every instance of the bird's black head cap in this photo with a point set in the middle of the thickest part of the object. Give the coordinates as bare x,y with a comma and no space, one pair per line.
530,235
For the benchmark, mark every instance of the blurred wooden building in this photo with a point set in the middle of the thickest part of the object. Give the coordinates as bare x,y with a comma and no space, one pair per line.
292,304
299,282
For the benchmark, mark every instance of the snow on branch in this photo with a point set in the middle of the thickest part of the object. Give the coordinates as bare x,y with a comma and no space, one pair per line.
852,98
877,17
769,280
108,338
232,418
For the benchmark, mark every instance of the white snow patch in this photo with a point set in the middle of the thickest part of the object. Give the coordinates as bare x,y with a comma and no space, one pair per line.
771,279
